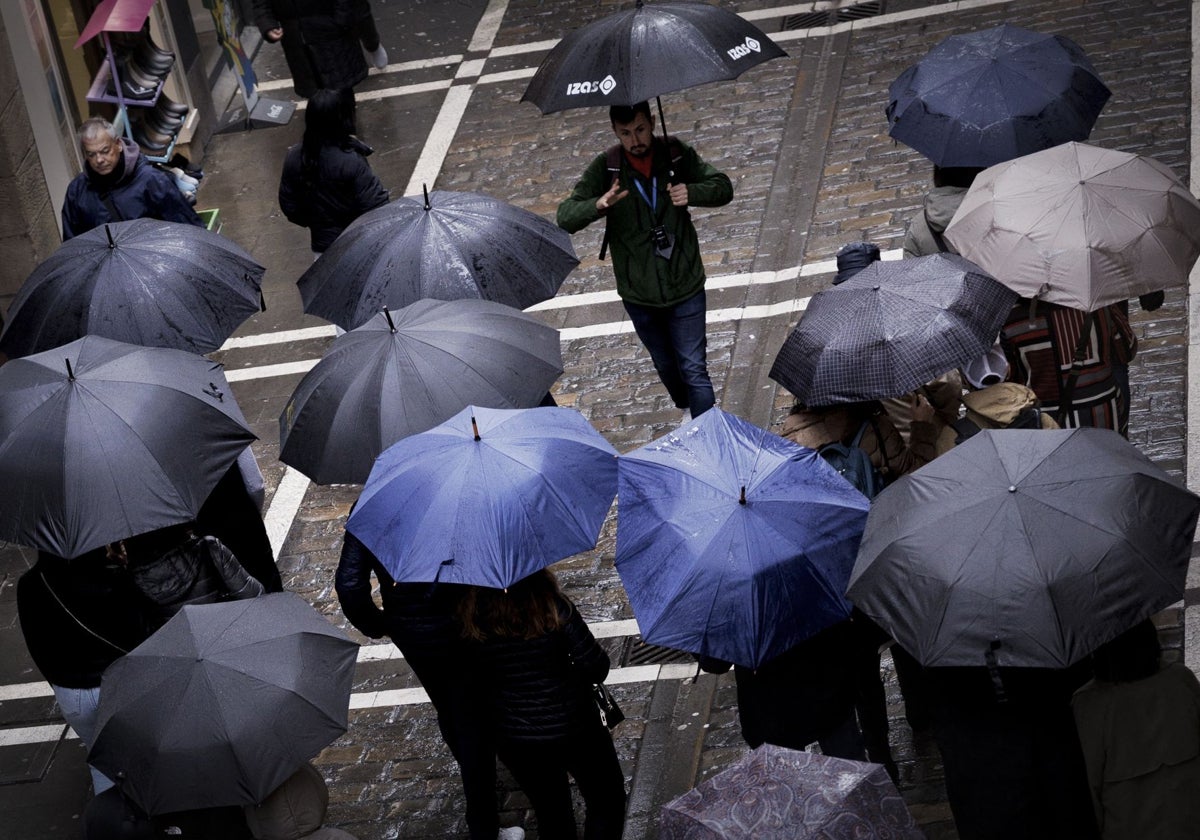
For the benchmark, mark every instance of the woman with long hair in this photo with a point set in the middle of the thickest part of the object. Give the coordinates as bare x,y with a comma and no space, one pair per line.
540,661
327,182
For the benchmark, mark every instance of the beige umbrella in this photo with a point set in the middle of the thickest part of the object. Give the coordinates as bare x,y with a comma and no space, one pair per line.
1079,226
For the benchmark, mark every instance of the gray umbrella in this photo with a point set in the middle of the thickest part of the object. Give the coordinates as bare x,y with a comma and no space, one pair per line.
1026,548
101,440
158,284
890,328
1080,226
452,245
223,703
405,372
773,793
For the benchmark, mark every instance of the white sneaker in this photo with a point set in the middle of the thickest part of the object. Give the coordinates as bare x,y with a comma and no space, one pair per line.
687,417
513,832
379,59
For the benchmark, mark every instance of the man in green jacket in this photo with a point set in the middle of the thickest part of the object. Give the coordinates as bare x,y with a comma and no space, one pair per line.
643,189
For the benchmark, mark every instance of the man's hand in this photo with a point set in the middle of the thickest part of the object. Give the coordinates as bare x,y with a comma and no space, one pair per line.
274,35
614,194
678,193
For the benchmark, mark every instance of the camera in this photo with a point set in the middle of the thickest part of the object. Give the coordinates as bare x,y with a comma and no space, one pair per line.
662,240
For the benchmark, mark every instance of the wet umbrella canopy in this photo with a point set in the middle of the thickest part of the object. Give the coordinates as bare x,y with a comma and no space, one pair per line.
773,793
158,284
890,328
1035,546
989,96
405,372
223,703
733,542
101,440
449,246
641,53
488,497
1080,226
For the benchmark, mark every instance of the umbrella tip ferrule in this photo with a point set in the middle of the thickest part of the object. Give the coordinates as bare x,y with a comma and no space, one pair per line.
475,427
70,372
111,242
742,500
391,324
425,190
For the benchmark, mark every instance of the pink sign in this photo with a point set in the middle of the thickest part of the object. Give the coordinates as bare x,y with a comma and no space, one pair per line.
115,16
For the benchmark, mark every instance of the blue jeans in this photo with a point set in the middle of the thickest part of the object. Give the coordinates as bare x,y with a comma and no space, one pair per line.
676,340
79,707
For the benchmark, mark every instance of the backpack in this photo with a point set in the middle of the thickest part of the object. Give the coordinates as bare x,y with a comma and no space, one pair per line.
1029,418
853,464
612,162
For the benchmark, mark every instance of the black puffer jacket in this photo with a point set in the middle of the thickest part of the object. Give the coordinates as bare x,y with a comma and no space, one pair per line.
199,571
341,189
539,686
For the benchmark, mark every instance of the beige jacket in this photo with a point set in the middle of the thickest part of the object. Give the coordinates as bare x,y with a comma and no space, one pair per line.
815,427
993,407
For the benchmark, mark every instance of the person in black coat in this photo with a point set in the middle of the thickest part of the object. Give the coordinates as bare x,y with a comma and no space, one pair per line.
420,619
320,39
78,616
231,515
804,695
327,182
539,661
1014,766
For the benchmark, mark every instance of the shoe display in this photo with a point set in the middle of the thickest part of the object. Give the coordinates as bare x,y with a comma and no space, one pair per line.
130,91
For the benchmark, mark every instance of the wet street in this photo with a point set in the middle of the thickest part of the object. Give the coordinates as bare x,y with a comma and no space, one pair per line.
804,141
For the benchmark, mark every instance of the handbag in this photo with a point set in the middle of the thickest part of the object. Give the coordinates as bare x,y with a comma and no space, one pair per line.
610,712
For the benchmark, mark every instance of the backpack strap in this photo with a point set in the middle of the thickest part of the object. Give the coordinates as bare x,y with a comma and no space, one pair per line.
612,162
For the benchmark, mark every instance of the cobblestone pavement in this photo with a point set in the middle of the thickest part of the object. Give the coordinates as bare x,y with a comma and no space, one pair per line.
805,142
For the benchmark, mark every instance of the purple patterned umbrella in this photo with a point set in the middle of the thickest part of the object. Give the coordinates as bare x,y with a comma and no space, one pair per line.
773,793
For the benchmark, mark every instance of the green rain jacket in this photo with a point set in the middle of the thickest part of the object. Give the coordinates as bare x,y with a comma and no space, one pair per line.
642,276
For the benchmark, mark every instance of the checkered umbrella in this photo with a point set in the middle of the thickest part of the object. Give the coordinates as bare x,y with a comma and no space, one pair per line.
890,328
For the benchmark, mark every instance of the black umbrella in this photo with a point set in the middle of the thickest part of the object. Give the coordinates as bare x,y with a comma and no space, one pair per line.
158,284
405,372
1025,548
644,52
890,328
990,96
223,703
101,440
452,245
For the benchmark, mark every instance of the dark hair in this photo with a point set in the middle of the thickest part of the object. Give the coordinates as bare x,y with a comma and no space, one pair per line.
148,547
328,121
625,114
526,610
1131,656
955,176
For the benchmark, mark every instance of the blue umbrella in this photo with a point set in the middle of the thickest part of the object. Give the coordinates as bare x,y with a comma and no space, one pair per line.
488,497
990,96
733,542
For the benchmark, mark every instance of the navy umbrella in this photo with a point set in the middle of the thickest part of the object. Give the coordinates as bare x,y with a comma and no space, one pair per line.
890,328
641,53
452,245
733,542
158,284
404,372
993,95
1026,548
488,497
101,440
223,703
